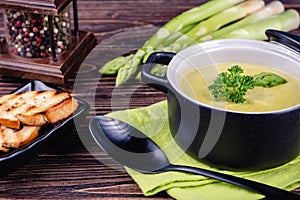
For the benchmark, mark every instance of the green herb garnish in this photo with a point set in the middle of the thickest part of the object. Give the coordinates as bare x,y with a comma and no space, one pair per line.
233,86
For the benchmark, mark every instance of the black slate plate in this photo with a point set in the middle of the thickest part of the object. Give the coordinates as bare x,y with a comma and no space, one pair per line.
14,159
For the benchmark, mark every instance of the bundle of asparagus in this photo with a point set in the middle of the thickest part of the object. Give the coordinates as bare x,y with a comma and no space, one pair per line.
215,19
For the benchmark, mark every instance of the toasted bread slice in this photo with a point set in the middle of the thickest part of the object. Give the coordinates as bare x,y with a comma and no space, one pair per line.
50,108
13,138
61,111
11,105
30,107
2,148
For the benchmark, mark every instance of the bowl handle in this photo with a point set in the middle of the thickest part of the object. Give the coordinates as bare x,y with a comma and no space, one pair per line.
159,83
289,40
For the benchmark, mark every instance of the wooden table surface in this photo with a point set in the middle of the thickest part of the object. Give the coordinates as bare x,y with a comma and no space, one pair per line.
71,169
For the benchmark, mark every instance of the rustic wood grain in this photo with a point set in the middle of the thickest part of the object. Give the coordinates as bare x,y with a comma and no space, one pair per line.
51,7
70,169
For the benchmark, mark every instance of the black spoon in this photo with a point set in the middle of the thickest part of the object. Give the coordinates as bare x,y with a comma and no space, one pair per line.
135,150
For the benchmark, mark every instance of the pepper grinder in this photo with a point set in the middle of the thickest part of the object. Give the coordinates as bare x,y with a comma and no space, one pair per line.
41,42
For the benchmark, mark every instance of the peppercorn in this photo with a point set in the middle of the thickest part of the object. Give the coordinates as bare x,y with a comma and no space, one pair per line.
28,33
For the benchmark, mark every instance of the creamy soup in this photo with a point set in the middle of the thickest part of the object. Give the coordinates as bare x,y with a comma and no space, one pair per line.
259,99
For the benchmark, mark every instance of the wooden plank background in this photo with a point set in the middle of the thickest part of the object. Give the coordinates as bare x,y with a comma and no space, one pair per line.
68,170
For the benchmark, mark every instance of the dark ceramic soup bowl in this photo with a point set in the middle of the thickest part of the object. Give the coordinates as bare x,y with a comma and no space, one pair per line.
223,138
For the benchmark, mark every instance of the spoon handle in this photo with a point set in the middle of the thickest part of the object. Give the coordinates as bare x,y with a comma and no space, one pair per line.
270,192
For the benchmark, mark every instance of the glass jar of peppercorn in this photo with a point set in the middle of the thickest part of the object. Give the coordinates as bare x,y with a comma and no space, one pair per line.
28,34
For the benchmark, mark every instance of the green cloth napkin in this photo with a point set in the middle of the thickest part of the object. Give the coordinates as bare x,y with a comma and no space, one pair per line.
153,122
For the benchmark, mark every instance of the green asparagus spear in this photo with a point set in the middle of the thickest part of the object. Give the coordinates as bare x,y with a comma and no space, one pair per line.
175,35
268,79
124,73
168,41
285,21
114,65
173,26
216,22
189,17
273,8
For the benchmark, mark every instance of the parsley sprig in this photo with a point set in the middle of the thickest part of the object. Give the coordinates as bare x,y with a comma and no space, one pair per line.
233,86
